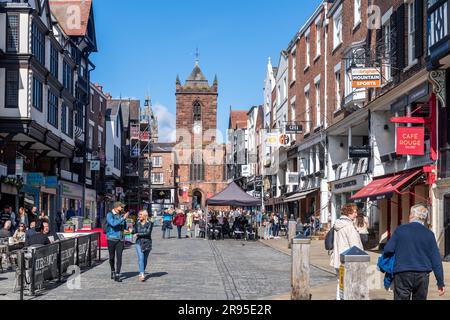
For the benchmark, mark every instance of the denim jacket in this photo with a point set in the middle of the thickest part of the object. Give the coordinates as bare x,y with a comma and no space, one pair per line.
116,226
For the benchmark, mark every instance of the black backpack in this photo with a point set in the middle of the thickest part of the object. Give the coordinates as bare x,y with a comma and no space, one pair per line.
329,240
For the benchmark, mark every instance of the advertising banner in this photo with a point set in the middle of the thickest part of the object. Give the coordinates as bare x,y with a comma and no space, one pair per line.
45,264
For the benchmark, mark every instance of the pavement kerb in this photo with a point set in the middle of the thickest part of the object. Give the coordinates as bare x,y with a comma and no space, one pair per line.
284,252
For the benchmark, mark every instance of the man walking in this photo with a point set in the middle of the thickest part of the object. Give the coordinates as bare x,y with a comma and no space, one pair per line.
416,256
116,224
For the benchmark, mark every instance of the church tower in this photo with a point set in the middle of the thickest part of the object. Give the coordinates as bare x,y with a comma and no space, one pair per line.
196,126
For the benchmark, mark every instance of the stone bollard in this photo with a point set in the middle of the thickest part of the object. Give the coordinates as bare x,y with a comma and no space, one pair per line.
301,268
292,230
353,275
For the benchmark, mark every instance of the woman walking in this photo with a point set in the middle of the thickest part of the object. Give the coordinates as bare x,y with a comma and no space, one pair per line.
143,231
345,237
179,221
116,224
362,225
23,218
189,223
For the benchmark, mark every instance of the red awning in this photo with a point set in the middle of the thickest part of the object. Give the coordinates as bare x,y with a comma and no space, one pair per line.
385,188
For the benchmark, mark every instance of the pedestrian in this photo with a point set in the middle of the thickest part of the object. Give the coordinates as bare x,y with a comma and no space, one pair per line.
5,215
23,218
20,234
345,237
116,224
143,232
189,223
43,216
6,232
33,215
271,223
362,225
179,221
276,226
39,238
31,231
58,221
416,254
167,223
197,217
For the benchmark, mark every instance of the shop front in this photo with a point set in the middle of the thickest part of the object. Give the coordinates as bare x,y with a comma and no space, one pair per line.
343,191
302,204
392,197
91,204
71,198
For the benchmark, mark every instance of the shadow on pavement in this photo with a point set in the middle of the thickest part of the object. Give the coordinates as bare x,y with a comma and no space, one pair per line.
156,275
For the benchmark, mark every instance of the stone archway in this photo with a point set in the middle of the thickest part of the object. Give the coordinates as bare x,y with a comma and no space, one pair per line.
197,199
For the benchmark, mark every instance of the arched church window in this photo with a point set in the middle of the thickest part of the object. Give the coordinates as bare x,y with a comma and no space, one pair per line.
197,111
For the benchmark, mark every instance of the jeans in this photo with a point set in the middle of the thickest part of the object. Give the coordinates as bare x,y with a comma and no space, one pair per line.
115,249
267,232
197,229
179,228
276,230
411,286
142,258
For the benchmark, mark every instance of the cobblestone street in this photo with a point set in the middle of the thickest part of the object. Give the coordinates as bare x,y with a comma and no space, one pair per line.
190,269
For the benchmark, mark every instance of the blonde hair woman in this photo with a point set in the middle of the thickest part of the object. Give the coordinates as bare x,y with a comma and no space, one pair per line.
143,231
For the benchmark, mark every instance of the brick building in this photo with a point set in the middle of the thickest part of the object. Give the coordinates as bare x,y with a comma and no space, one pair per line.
199,159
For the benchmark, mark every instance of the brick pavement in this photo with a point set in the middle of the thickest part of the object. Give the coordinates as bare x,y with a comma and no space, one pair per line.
189,269
320,259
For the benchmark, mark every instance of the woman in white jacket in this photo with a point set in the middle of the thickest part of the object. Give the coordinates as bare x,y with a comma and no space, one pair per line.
346,236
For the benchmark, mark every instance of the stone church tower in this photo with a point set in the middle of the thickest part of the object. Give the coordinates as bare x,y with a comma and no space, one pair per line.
199,160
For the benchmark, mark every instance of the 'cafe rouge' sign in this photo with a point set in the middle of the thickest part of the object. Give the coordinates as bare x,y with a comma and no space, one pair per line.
411,141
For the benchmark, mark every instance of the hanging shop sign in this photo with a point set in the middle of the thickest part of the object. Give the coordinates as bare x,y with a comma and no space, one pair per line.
271,140
360,152
95,165
285,140
246,171
411,141
51,182
292,178
19,167
294,128
35,179
363,78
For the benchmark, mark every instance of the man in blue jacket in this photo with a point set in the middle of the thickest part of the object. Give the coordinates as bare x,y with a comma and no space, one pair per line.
116,225
416,256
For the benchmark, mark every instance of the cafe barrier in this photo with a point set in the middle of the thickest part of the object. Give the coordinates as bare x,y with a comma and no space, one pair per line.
51,262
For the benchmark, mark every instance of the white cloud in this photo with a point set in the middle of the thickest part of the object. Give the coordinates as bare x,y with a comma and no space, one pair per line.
166,123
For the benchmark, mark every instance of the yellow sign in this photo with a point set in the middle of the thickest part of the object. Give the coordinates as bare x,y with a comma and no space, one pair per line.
341,278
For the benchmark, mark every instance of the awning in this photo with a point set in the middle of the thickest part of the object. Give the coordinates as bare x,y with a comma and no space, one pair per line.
299,196
385,188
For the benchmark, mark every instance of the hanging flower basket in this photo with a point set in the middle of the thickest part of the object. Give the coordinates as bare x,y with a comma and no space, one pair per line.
15,182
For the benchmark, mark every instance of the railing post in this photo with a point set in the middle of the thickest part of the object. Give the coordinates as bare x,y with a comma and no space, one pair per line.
21,265
292,230
353,275
301,268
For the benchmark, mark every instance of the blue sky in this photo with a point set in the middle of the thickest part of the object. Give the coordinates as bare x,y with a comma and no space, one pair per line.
144,44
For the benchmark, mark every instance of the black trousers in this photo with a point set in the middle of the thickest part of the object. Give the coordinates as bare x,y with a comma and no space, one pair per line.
115,248
411,286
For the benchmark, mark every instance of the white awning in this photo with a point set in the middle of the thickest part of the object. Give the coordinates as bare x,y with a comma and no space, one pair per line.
300,196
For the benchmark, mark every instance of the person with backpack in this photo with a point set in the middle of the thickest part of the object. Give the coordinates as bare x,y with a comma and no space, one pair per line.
416,255
115,225
143,231
344,236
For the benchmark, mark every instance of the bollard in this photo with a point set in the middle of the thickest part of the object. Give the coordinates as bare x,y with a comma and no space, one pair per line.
301,268
353,275
292,230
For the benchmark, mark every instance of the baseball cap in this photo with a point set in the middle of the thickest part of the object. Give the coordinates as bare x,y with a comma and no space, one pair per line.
119,204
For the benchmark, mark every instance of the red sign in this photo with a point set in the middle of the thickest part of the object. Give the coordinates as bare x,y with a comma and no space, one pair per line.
411,141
